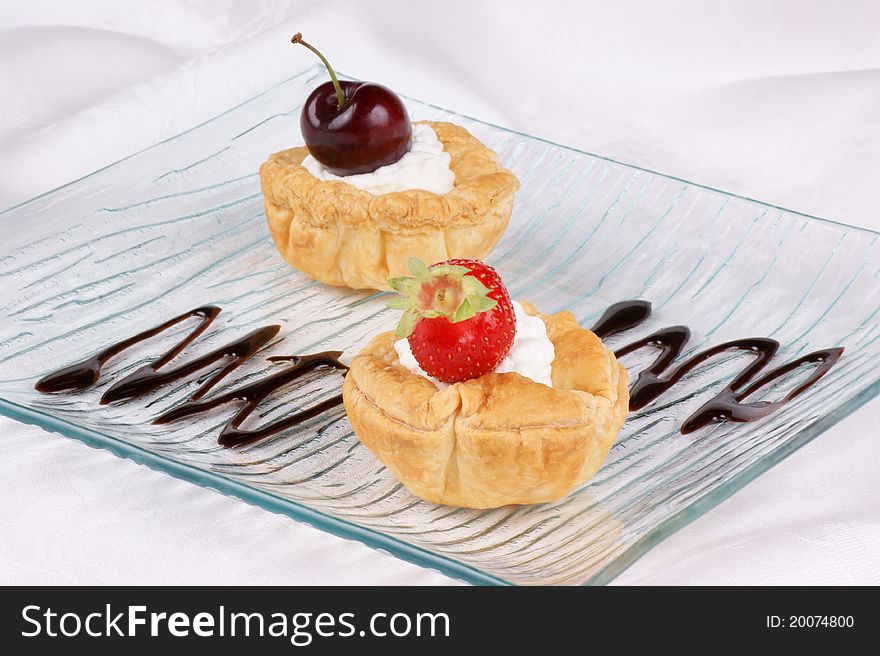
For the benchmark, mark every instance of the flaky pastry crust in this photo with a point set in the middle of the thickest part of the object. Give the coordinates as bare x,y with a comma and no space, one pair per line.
495,440
342,235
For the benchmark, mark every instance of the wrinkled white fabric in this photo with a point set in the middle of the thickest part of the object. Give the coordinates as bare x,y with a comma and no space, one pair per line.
774,100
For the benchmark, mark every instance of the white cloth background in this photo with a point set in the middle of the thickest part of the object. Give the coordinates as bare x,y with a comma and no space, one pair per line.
777,100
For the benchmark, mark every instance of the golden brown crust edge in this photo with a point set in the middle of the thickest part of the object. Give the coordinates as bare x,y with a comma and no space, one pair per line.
342,235
496,440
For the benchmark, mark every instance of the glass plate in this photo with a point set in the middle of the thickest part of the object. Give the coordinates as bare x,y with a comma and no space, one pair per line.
181,224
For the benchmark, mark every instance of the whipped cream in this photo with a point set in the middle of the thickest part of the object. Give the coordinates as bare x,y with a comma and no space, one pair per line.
531,354
425,166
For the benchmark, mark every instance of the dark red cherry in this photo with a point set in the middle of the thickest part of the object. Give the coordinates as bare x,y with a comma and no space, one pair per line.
354,127
371,130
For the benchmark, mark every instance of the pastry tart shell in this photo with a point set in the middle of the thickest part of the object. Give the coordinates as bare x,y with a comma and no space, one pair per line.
342,235
495,440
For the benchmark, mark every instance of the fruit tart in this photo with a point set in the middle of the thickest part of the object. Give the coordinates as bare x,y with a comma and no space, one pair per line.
370,189
480,401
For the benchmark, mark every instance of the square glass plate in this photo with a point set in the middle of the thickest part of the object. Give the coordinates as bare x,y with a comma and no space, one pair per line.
181,224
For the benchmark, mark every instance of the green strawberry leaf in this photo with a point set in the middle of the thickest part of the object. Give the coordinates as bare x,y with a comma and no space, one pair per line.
429,314
464,312
454,271
405,285
400,303
407,323
419,269
481,303
473,287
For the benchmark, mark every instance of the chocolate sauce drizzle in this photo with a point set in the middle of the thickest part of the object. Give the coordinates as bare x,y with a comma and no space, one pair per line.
82,375
254,393
727,405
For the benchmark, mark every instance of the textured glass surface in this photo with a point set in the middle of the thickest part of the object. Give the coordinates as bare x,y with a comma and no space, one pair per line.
181,224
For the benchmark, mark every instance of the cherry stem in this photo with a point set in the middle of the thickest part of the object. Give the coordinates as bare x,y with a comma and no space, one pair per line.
340,97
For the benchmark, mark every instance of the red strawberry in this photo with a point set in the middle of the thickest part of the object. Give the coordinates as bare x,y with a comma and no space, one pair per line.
459,320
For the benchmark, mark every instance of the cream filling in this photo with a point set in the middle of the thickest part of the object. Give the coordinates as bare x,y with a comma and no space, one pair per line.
425,166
